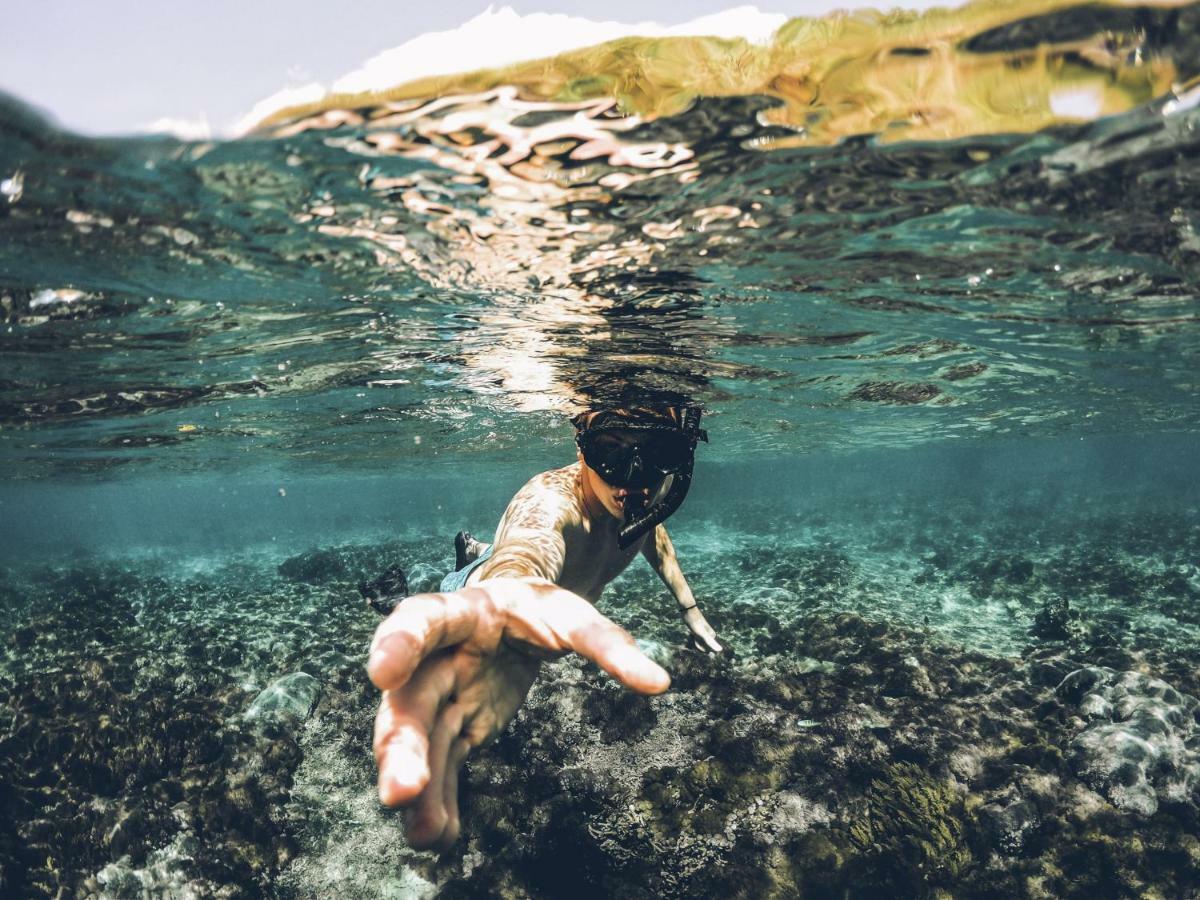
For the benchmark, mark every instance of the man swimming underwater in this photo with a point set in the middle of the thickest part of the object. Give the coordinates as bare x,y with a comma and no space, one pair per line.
455,666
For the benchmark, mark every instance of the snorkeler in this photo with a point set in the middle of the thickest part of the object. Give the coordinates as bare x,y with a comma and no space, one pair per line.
455,666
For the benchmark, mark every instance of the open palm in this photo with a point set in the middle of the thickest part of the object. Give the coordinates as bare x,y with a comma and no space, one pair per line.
455,668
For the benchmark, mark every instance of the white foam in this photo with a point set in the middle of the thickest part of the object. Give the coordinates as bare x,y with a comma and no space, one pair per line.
281,99
501,36
197,129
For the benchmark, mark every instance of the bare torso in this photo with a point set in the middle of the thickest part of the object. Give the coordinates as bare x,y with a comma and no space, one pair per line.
550,530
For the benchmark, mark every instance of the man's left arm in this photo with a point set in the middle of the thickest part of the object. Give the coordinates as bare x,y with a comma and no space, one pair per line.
660,553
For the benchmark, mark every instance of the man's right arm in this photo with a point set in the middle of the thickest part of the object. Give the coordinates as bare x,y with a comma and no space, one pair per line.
452,678
454,668
529,541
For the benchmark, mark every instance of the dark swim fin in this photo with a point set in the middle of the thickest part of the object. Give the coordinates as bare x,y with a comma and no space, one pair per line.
385,592
466,549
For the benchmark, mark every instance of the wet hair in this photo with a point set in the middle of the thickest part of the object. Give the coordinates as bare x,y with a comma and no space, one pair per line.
629,417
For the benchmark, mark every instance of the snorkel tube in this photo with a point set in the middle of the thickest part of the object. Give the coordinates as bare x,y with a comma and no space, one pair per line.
658,513
681,481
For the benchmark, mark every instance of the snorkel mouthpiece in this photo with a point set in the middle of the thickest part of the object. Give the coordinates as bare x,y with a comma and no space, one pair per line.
635,505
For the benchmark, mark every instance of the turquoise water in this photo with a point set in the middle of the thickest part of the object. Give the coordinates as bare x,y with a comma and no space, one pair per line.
952,394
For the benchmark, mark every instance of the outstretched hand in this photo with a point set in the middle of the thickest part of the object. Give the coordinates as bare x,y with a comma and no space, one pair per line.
703,636
455,668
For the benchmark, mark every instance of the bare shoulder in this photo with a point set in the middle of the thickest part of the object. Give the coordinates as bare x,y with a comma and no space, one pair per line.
546,501
529,540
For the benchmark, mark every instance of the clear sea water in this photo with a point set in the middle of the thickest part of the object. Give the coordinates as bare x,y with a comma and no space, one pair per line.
949,384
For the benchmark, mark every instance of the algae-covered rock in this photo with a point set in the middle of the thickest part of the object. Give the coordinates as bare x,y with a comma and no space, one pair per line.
384,593
1056,621
1141,746
293,695
911,833
314,567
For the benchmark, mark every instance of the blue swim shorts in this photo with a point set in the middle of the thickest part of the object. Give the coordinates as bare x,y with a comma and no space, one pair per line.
458,580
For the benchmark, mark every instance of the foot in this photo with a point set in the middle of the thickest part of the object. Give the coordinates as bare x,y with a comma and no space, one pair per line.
466,549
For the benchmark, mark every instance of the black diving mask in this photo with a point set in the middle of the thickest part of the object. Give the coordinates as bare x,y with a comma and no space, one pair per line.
635,462
638,452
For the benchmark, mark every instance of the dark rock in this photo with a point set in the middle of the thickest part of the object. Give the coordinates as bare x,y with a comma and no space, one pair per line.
1056,621
1020,571
294,695
1009,826
1082,681
314,567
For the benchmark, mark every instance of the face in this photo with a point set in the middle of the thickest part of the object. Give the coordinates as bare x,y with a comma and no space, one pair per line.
615,499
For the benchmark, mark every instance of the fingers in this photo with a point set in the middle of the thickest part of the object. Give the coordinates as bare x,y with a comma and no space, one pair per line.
401,752
458,753
575,624
418,627
427,818
703,636
706,640
402,732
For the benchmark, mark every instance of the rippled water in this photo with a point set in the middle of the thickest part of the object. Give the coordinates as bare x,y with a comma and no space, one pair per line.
457,269
934,280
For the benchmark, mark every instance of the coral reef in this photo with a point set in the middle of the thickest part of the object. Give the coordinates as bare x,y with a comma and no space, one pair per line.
968,710
1142,743
908,770
121,748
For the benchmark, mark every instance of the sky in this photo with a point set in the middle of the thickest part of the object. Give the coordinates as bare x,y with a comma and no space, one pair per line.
120,66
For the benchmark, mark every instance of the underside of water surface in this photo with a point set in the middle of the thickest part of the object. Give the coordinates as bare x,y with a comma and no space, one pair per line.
933,280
